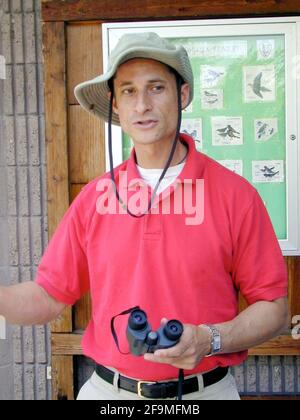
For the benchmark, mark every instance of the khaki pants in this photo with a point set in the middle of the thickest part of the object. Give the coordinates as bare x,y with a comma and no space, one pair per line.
98,389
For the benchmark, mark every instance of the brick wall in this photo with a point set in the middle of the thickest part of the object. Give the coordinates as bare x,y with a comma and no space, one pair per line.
24,354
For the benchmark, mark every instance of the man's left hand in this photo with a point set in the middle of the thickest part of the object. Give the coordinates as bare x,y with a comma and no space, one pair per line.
194,344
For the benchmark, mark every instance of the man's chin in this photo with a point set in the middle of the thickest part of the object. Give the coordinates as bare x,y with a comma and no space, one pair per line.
145,139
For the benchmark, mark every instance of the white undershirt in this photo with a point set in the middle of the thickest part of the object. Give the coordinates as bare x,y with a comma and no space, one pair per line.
151,176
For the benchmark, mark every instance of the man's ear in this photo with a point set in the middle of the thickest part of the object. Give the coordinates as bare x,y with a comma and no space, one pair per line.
185,94
115,108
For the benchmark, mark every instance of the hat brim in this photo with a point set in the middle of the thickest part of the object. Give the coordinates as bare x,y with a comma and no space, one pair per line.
93,95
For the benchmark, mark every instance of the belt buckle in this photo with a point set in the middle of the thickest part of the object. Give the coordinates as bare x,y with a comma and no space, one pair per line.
139,387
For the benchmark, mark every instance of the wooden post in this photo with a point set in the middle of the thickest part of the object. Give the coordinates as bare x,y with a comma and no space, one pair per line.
62,378
56,135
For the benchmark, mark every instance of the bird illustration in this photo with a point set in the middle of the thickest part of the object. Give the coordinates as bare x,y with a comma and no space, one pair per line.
269,172
213,101
228,131
210,98
262,130
212,76
266,169
257,86
209,94
271,175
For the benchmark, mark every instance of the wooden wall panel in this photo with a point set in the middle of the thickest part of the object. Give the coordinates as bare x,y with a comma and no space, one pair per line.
84,55
80,10
86,146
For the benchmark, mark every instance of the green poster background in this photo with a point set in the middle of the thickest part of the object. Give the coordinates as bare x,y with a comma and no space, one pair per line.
272,193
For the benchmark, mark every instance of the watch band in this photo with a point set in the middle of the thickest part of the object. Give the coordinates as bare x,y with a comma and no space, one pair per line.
216,342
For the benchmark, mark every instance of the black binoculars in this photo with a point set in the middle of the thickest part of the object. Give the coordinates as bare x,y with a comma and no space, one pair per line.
143,340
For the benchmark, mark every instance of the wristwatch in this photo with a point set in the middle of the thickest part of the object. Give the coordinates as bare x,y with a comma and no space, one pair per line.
215,342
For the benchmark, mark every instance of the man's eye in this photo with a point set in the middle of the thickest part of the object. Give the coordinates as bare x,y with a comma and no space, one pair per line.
128,91
158,88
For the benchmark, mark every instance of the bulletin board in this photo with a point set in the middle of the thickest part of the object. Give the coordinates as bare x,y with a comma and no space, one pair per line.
244,112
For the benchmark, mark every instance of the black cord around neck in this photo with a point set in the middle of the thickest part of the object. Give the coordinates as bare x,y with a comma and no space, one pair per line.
112,174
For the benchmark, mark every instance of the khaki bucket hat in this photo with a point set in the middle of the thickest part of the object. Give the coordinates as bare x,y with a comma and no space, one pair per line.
92,95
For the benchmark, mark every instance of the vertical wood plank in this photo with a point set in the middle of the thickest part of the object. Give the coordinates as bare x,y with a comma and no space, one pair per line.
86,146
84,55
86,133
83,308
290,263
56,136
62,378
82,312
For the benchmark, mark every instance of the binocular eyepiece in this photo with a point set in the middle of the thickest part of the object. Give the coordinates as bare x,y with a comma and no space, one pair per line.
143,340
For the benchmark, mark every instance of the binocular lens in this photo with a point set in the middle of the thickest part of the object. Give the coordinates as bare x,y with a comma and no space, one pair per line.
137,320
173,330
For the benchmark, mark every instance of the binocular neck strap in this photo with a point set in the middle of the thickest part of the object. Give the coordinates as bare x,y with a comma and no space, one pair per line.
112,326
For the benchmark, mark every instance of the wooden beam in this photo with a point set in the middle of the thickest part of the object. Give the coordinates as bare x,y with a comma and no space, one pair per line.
285,345
66,344
79,10
56,136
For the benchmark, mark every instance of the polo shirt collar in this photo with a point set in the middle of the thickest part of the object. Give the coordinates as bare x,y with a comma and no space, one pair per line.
193,168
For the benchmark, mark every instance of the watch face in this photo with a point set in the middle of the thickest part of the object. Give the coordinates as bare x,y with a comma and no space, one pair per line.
216,342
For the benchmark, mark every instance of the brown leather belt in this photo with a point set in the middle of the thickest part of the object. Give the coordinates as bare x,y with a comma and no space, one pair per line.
161,389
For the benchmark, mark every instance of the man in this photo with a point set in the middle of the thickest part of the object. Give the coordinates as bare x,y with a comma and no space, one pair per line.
170,265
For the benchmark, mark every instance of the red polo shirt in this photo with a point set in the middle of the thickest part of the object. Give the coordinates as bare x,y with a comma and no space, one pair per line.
171,265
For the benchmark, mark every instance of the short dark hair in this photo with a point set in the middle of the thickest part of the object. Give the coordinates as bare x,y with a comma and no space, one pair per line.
178,77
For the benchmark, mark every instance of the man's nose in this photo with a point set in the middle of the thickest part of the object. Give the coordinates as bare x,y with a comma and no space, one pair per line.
143,103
